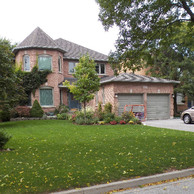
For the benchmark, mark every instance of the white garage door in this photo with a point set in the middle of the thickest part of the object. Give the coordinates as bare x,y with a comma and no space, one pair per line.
124,99
158,107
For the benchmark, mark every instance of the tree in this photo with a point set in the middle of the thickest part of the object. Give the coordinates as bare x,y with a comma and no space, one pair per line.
144,25
10,90
87,82
175,60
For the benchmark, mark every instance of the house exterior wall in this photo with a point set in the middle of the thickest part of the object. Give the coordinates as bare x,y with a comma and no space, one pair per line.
55,77
113,89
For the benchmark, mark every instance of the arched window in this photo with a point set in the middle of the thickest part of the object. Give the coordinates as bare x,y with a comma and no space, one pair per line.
26,62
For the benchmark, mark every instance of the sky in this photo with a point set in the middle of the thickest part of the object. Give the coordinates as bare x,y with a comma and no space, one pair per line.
73,20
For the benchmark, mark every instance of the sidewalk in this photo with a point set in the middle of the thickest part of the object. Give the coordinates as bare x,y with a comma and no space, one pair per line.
103,188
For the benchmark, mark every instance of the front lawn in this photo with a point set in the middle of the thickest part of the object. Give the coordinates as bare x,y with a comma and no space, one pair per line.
54,155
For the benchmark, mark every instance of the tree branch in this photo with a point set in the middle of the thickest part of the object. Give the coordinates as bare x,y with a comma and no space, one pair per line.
188,10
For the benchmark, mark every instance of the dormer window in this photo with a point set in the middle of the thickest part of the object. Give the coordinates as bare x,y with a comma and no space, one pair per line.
100,69
45,62
26,62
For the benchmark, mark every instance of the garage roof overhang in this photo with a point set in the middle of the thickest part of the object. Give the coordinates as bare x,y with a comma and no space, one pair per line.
130,77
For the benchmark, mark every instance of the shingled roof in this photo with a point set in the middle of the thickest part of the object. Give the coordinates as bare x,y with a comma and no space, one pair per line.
130,77
75,51
38,39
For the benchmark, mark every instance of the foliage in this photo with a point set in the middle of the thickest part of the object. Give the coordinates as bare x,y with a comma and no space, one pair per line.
118,119
131,122
135,120
36,110
4,138
99,112
108,117
143,25
61,109
5,113
101,122
127,116
32,80
108,108
87,82
122,122
63,116
113,122
175,61
53,155
11,91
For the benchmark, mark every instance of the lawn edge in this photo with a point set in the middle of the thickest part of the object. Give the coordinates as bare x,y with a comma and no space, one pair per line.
129,183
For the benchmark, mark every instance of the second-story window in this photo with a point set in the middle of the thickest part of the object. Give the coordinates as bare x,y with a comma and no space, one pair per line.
100,68
26,61
72,67
59,64
45,62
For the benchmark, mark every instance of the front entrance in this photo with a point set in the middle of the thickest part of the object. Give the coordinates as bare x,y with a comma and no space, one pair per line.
72,103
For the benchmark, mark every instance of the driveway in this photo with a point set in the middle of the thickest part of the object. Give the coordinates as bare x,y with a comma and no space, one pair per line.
177,124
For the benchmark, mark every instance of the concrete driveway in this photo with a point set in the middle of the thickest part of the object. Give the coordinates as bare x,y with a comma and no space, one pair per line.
177,124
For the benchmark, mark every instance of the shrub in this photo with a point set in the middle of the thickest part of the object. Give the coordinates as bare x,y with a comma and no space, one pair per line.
99,112
73,118
113,122
118,119
4,138
127,116
135,120
61,109
122,122
63,116
109,117
36,110
108,108
101,122
5,115
131,122
21,111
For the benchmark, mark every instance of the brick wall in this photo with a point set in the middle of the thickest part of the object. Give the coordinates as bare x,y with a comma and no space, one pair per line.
113,89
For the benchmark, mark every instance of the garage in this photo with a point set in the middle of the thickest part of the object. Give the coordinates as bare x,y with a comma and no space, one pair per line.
158,106
126,99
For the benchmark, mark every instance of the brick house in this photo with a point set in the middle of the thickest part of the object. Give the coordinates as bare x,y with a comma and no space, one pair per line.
60,56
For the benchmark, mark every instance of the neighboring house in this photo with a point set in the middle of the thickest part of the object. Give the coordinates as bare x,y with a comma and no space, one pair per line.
60,56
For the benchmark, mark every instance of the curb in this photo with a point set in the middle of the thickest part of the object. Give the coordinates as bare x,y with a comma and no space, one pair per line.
98,189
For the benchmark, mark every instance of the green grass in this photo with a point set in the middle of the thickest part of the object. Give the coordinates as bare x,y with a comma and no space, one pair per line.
56,155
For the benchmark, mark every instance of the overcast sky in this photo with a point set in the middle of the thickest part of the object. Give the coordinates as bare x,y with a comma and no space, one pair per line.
73,20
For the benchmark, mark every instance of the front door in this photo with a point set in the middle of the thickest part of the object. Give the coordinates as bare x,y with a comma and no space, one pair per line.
72,103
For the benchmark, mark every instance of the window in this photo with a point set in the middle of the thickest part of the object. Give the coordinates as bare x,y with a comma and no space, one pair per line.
44,62
26,61
46,97
180,98
71,67
59,64
100,68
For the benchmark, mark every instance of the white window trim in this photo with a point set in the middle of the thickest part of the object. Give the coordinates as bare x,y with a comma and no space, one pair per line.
24,63
100,68
46,56
52,95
